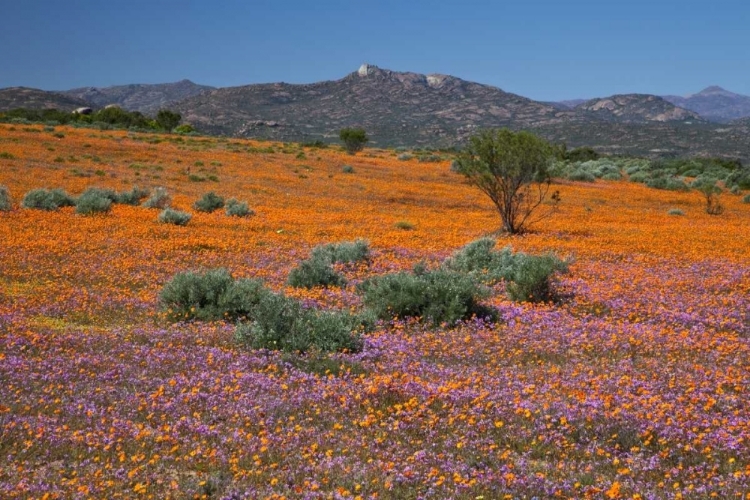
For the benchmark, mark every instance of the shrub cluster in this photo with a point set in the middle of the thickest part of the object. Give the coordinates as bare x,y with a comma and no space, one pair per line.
236,208
318,269
266,319
95,201
438,296
528,278
209,202
6,203
212,295
47,199
176,217
132,197
159,199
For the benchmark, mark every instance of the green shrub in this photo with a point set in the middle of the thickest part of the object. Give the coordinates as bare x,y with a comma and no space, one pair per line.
347,169
404,157
209,202
581,175
342,253
176,217
159,199
211,295
7,156
315,271
236,208
5,199
437,296
184,129
675,211
746,198
480,260
94,201
43,199
132,197
639,176
532,277
281,323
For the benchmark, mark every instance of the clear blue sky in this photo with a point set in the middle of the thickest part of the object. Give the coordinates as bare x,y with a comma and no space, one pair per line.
543,49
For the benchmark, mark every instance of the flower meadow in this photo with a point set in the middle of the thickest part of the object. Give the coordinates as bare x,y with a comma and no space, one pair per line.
634,385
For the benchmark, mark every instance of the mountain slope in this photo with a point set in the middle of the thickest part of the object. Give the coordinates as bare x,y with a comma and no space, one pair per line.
636,108
24,97
394,107
715,103
146,98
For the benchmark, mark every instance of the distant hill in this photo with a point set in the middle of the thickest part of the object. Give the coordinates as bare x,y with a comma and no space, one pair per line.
146,98
715,103
24,97
396,108
636,108
571,103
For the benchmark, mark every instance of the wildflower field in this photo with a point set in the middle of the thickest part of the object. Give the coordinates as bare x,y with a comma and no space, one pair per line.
635,385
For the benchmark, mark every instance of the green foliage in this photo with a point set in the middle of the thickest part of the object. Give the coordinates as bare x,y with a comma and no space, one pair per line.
159,199
675,211
707,187
531,278
209,202
404,225
95,201
176,217
44,199
236,208
6,203
315,271
168,120
132,197
581,154
480,260
342,253
512,169
184,129
354,139
404,157
746,198
439,296
211,295
347,169
7,156
281,323
581,175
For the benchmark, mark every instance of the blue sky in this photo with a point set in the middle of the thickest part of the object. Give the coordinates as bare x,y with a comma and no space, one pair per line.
546,50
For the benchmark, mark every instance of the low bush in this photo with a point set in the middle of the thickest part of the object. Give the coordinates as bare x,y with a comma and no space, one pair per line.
404,225
132,197
313,272
343,253
746,198
211,295
675,211
6,203
438,296
581,175
95,201
281,323
531,280
480,260
44,199
236,208
209,202
159,199
176,217
404,157
347,169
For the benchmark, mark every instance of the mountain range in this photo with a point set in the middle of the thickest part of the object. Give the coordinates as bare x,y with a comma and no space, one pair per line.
412,109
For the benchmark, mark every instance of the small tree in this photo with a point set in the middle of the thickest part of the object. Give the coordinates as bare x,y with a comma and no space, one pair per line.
512,169
710,191
354,139
168,120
